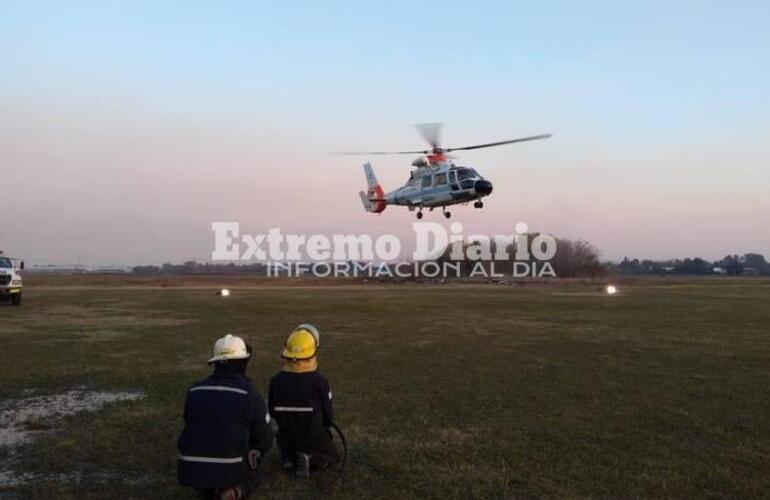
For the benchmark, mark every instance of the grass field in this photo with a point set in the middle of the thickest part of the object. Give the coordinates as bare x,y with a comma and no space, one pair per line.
553,390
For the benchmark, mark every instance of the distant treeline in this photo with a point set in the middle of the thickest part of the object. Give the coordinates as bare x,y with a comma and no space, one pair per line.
577,258
572,259
193,267
750,264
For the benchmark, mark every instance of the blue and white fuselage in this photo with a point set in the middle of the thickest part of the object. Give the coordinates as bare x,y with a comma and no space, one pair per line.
429,186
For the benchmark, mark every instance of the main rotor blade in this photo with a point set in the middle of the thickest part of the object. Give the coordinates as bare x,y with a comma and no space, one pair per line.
431,132
349,153
500,143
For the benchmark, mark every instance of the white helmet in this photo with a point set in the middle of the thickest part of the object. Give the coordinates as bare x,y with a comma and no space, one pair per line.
312,329
229,347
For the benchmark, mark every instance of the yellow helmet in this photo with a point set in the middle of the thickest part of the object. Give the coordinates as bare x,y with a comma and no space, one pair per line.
301,344
312,329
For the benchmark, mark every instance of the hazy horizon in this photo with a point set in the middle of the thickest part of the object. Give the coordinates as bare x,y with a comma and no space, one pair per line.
126,129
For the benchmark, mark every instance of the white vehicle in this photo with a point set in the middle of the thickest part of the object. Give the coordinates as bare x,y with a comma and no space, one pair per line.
10,280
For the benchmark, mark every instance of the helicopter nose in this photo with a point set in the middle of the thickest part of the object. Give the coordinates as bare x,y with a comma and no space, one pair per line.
483,187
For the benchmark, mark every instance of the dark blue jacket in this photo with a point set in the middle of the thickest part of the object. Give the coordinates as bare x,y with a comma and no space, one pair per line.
301,404
224,418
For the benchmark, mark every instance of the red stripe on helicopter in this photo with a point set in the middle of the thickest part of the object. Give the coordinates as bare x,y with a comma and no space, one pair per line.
380,205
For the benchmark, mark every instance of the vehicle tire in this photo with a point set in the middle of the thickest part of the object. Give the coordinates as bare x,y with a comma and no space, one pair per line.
16,299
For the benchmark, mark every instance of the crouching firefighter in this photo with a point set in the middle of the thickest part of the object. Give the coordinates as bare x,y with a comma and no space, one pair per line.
300,401
226,427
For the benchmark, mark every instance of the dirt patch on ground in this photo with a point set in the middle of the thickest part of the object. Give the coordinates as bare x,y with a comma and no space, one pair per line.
20,418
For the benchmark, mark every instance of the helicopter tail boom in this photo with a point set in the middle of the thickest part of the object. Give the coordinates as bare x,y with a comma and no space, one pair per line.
374,198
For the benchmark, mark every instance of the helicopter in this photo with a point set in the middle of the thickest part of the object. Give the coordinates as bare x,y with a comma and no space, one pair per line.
436,181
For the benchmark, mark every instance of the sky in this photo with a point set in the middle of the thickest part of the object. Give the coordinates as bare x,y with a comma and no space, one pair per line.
127,128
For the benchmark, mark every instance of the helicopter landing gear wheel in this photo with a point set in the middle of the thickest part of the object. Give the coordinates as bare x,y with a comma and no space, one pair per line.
419,214
447,214
478,204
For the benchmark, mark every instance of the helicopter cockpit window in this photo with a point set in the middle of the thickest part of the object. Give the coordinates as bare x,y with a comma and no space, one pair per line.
465,173
440,179
426,181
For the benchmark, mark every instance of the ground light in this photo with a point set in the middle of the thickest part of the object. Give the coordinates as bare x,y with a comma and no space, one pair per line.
224,292
611,290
